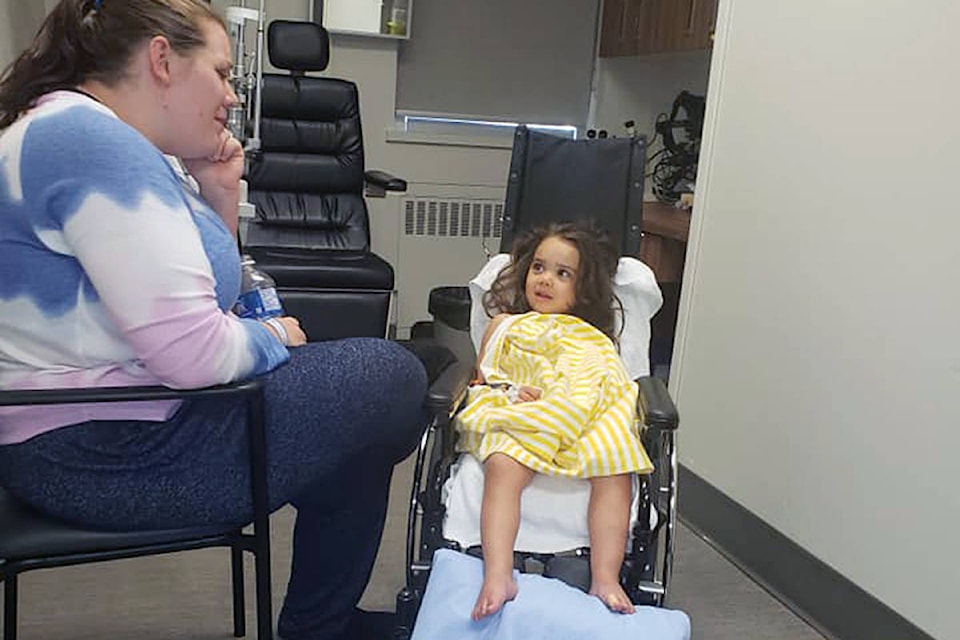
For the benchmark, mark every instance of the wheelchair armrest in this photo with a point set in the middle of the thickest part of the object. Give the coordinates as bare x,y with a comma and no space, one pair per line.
379,182
450,387
656,405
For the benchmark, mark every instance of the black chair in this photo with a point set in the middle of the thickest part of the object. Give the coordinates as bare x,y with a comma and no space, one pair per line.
30,540
312,229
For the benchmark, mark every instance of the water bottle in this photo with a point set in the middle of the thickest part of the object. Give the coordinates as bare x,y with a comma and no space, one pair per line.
258,293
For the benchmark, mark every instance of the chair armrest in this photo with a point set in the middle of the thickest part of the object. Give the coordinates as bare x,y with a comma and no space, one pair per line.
20,397
656,405
379,182
450,387
250,390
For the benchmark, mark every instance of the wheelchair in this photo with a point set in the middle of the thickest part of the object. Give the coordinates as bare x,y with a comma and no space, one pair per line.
554,179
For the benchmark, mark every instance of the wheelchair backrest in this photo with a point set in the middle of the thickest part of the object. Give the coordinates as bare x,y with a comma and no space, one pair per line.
555,179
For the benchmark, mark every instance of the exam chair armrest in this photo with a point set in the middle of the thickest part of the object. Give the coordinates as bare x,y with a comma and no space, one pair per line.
379,182
656,405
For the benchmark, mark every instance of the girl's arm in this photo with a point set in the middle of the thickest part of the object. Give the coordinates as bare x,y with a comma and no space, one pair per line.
494,323
521,393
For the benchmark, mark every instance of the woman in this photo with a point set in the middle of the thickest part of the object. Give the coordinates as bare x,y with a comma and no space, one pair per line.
116,271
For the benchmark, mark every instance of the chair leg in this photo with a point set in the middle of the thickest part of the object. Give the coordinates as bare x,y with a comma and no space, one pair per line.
10,606
264,589
239,606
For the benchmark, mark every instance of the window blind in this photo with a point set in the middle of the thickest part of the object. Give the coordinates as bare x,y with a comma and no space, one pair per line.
515,60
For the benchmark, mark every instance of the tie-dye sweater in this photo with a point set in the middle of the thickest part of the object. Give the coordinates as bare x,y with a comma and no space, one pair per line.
113,271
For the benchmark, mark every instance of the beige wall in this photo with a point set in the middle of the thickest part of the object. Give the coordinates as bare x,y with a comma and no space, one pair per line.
19,20
817,363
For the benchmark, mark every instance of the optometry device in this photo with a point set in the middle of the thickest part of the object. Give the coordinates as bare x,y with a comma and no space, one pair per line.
243,120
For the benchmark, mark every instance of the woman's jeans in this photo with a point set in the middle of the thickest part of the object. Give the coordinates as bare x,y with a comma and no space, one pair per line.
340,415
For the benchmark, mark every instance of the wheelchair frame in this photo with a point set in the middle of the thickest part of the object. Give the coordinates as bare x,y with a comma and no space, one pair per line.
639,576
552,179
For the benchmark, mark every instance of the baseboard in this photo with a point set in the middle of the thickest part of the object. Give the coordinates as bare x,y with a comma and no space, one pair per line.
828,601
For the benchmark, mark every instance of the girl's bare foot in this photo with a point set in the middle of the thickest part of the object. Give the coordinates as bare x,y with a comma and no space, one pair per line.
612,595
496,590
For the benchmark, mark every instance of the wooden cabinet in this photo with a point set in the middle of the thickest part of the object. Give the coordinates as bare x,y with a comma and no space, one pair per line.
664,244
638,27
663,249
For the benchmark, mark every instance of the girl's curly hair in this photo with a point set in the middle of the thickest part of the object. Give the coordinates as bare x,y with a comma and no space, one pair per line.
595,300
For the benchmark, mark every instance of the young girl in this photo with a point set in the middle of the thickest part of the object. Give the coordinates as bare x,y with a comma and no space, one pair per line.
551,396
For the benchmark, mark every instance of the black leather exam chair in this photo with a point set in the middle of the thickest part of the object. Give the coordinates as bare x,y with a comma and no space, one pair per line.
312,230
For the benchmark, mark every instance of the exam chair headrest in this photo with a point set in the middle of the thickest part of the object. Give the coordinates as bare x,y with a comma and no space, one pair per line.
298,46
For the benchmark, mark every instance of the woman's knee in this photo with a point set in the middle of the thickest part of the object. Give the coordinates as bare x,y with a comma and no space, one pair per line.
403,388
353,366
391,384
403,368
363,388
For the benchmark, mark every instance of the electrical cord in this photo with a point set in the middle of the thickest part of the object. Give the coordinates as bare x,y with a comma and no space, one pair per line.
673,167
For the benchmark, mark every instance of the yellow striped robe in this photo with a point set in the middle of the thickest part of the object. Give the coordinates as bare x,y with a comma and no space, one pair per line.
584,424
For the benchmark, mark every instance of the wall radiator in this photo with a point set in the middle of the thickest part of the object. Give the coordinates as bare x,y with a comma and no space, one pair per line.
444,241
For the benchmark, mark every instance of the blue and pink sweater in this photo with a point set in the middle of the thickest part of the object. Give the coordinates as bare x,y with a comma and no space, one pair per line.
113,271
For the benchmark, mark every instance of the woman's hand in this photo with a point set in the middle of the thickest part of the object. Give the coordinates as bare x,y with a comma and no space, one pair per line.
219,178
295,336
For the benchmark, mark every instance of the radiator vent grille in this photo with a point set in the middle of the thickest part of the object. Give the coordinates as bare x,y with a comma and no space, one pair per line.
453,217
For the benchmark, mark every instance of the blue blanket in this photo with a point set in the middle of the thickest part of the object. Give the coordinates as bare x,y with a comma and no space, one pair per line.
544,608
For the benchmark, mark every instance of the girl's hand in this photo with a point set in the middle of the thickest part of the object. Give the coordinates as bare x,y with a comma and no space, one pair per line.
527,394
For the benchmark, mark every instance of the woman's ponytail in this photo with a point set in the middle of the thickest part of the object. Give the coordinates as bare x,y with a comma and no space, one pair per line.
94,39
49,63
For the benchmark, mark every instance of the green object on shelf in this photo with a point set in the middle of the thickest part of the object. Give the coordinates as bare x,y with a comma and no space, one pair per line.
397,24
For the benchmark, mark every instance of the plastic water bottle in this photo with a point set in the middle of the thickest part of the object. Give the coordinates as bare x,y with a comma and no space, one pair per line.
258,293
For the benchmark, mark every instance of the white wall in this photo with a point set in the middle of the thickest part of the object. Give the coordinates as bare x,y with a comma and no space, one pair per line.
818,363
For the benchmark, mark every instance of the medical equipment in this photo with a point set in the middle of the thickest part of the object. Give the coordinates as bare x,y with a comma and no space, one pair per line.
243,119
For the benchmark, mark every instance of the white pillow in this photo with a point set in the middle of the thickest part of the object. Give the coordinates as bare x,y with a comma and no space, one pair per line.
634,284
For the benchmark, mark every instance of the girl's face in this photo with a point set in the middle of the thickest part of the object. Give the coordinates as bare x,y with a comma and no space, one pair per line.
201,94
551,283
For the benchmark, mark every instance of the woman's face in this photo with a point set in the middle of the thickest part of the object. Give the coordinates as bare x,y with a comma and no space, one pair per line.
199,95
